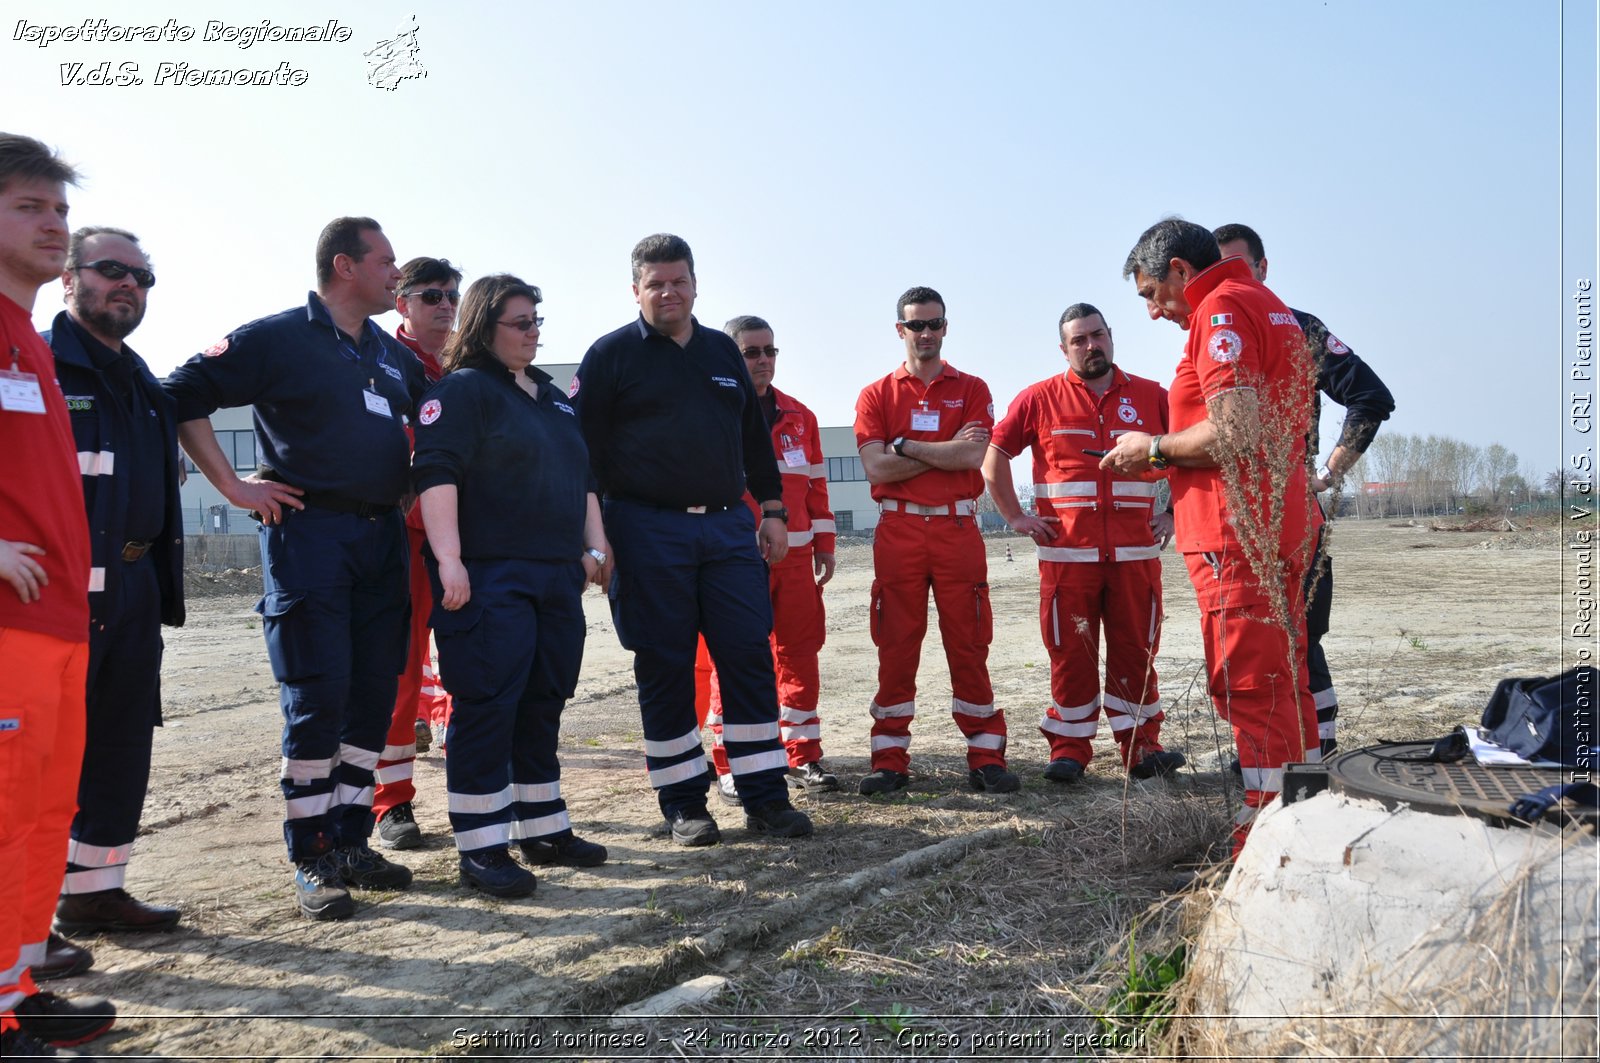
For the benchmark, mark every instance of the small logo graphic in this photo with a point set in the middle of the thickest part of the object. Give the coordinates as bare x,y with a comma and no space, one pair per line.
430,411
726,381
1225,346
564,408
1218,320
1335,346
11,724
1128,414
392,61
216,348
572,389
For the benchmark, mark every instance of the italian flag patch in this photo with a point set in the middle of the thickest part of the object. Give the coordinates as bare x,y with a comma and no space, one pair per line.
1218,320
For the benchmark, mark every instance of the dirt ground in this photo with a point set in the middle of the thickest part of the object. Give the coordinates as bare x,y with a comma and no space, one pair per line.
940,912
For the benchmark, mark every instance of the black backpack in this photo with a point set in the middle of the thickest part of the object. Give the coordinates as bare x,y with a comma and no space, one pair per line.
1548,719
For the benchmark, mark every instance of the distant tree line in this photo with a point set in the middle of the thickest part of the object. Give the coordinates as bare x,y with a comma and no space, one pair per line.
1416,476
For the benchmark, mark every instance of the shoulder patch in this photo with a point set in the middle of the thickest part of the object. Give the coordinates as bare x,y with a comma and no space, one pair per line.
217,348
1224,346
572,389
430,411
1335,346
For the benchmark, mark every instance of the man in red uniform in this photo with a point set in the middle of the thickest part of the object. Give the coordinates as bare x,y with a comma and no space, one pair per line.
1242,395
44,610
1099,543
426,299
796,582
922,432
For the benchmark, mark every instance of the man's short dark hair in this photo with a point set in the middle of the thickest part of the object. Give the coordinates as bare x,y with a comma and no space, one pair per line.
1252,241
745,323
342,236
422,271
1166,240
23,158
1076,311
918,294
79,236
658,249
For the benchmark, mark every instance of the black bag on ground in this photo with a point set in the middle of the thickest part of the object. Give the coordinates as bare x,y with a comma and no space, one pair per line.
1547,718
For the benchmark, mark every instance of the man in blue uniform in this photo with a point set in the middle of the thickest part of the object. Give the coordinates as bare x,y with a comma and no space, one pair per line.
332,394
1347,380
128,453
675,434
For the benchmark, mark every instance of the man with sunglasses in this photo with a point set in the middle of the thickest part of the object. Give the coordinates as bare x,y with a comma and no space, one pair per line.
128,454
1099,541
426,300
922,432
44,610
675,438
798,620
332,395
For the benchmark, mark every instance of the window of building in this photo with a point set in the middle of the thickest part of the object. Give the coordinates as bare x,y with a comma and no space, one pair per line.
846,470
844,520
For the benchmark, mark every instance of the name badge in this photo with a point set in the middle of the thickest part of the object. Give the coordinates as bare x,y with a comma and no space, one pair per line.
924,420
377,403
19,392
795,458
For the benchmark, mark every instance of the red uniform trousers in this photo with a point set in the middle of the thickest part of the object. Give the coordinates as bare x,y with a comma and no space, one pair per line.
1253,683
1077,598
799,627
420,697
910,554
41,752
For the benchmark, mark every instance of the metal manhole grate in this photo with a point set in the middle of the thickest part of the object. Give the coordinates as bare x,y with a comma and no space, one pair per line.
1396,773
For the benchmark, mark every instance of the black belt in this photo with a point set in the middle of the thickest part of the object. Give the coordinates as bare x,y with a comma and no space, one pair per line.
341,504
674,509
134,551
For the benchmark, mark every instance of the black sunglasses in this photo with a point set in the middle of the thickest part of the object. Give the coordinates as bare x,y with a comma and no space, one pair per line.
752,353
112,270
917,324
523,324
435,296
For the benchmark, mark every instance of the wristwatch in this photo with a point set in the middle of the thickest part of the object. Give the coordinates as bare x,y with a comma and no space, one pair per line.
781,513
1156,460
599,556
899,445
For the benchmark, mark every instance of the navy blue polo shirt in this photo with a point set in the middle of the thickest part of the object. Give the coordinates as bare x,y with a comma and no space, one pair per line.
673,426
330,409
519,464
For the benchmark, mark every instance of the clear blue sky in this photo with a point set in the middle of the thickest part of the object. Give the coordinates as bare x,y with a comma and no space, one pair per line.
1399,159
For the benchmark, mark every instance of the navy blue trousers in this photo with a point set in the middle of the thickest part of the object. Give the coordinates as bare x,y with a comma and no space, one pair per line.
335,613
680,575
510,660
1319,609
123,703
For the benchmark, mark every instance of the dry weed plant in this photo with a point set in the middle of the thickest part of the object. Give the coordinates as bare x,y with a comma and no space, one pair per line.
1255,453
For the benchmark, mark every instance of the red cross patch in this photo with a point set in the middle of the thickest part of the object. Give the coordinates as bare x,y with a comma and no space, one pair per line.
430,411
1224,346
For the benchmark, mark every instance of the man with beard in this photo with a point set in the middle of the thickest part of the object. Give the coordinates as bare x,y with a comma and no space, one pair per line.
128,454
332,394
427,299
1099,542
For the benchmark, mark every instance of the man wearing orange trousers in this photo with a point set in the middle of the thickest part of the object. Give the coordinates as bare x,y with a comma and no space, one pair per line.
426,299
922,432
44,610
796,582
1239,408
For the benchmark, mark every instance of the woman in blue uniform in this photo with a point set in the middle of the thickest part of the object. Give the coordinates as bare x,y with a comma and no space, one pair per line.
514,535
